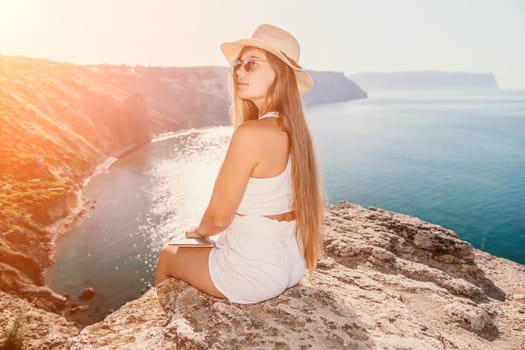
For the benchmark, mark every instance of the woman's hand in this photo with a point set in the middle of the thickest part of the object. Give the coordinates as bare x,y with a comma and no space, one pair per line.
194,233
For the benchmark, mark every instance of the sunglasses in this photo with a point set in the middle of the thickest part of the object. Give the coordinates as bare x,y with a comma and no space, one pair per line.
248,63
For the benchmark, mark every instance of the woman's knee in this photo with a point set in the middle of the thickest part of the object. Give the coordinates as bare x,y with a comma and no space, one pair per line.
168,251
168,256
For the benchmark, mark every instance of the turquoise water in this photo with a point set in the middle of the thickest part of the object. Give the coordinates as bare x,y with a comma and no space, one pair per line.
453,160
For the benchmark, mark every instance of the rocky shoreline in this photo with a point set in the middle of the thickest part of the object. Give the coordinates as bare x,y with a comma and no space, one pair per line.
75,213
387,281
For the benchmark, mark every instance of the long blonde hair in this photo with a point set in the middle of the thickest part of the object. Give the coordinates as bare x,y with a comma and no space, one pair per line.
309,196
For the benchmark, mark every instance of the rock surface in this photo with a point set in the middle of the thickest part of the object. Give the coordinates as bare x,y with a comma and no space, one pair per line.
43,329
387,281
87,293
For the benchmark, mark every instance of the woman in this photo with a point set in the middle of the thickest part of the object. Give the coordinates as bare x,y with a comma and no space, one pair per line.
267,201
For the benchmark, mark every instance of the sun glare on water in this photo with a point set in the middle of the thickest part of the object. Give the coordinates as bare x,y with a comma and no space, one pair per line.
183,182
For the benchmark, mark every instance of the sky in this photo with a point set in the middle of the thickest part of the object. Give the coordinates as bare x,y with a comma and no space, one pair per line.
346,36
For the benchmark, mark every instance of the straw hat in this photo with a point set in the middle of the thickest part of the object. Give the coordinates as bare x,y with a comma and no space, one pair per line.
277,41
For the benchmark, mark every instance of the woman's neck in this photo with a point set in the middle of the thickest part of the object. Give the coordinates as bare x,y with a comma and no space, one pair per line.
262,106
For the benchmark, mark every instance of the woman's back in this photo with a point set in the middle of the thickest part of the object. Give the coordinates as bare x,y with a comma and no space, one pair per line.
268,196
269,191
274,147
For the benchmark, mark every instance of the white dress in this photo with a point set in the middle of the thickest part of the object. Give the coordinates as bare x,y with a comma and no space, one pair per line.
257,258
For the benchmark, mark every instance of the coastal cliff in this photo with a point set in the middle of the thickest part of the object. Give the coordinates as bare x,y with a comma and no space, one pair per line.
332,87
56,125
60,122
387,281
426,81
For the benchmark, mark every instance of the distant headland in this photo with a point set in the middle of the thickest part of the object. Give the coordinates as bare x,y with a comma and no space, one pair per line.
425,80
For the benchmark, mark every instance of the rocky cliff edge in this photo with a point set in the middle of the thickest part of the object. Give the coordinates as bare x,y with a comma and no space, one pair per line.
387,281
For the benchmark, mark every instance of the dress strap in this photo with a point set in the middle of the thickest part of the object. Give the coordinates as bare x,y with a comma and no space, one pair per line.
269,114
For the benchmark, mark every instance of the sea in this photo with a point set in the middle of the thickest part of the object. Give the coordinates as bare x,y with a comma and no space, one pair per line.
456,159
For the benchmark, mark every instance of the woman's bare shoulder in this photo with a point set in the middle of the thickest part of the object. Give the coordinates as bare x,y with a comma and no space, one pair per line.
247,136
249,127
267,137
254,128
260,127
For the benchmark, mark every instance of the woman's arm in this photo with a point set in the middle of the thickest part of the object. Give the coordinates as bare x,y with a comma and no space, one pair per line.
241,157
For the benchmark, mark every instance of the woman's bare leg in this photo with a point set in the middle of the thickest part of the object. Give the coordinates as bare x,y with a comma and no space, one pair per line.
187,264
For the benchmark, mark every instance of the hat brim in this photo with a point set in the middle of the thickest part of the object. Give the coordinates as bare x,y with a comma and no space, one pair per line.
231,51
